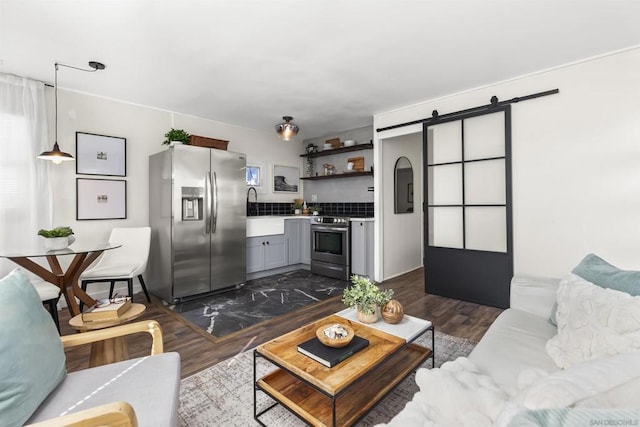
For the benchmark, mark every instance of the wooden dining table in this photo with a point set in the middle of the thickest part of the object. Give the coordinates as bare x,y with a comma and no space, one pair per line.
83,255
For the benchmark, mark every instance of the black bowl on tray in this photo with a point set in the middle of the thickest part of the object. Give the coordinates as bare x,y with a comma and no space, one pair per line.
335,335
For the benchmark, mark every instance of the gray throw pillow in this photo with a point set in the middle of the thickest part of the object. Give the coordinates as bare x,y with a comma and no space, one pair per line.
32,360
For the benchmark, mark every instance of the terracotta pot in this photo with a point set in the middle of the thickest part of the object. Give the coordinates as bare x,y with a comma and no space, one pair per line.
368,318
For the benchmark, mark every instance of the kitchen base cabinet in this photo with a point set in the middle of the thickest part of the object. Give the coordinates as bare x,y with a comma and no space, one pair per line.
362,262
305,242
266,252
298,234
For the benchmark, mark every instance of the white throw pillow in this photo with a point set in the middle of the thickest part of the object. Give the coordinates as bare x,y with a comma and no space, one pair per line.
593,322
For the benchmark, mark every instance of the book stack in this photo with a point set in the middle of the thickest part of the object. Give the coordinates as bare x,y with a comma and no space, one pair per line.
111,311
331,356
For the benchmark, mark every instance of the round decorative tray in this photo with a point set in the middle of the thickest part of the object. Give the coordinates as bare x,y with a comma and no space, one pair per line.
343,335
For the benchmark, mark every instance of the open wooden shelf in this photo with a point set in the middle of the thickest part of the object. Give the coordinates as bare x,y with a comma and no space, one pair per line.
339,175
357,147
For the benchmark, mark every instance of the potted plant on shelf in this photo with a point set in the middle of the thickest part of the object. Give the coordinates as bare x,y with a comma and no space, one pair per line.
57,238
297,207
176,136
315,210
367,297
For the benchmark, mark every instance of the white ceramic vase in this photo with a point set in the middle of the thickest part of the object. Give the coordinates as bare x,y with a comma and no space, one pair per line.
57,243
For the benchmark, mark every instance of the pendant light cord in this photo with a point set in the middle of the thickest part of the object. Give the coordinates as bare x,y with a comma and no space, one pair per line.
95,66
56,101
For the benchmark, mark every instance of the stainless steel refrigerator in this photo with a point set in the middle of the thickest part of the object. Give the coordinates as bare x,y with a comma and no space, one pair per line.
197,214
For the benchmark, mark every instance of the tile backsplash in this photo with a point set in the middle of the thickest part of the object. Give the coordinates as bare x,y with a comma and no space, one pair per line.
355,209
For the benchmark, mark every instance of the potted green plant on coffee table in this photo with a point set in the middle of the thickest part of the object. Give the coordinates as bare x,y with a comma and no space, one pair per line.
367,297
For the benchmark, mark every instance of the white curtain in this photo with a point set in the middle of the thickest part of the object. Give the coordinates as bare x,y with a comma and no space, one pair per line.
25,190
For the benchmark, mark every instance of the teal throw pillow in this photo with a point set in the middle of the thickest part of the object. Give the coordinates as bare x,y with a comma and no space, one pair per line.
594,269
32,360
599,272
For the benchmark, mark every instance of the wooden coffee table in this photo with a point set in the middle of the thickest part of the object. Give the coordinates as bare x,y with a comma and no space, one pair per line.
344,394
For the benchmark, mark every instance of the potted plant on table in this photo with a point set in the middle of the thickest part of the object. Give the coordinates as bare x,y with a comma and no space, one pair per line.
176,135
57,238
367,297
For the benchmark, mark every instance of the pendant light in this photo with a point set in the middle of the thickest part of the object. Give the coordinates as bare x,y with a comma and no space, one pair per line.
287,130
56,155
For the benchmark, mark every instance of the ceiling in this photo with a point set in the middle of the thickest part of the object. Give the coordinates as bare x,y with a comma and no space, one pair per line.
331,64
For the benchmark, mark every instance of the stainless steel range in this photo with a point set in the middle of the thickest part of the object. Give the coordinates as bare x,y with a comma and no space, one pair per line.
330,252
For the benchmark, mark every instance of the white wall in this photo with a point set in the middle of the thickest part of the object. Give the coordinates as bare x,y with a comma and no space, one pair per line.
144,129
403,233
576,162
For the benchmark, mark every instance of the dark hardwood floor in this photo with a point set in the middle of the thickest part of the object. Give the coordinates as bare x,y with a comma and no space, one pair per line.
199,350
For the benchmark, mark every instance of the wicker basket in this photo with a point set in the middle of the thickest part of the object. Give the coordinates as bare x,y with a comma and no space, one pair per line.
202,141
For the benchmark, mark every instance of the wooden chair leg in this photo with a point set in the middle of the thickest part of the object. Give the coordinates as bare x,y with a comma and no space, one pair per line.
144,287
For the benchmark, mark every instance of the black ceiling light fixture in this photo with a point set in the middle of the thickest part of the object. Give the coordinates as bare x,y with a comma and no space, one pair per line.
56,155
287,130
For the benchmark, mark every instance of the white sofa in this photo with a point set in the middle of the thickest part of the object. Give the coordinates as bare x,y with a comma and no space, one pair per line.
510,379
516,340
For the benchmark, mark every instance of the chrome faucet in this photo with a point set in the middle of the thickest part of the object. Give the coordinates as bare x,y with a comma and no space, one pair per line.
255,193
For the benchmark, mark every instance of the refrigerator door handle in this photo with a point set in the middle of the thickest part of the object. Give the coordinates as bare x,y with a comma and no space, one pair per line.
207,190
215,204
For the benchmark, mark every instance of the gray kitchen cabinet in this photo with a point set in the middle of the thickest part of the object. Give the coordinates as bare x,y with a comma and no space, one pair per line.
266,252
292,231
298,234
362,262
305,241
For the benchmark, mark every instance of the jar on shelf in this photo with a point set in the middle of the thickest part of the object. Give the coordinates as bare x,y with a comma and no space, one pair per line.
329,169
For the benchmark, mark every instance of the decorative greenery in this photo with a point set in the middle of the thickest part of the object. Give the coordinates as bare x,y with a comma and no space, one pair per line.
56,232
314,208
365,295
296,205
176,135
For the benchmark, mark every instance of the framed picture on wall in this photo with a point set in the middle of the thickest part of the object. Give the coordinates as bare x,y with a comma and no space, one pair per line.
100,155
286,179
254,176
101,199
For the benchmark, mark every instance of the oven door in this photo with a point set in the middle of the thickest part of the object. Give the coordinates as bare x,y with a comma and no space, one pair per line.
330,244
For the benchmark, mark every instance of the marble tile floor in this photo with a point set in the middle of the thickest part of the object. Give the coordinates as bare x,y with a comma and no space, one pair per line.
258,300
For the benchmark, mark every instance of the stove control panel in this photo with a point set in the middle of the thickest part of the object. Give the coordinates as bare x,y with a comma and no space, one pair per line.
329,220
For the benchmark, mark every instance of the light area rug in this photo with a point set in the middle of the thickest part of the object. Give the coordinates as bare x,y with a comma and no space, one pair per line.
222,395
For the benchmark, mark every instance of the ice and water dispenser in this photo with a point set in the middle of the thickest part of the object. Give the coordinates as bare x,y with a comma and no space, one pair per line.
192,203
